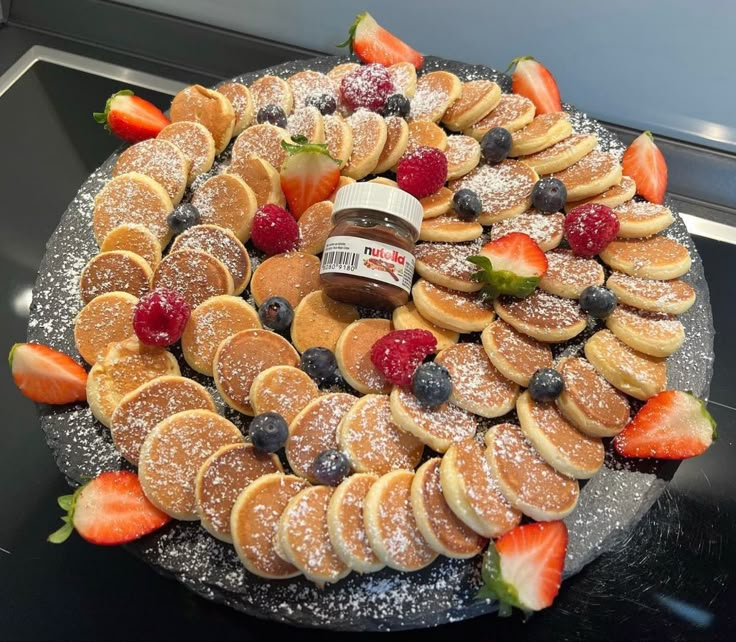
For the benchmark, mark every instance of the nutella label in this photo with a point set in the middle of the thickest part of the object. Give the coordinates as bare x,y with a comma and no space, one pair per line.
369,259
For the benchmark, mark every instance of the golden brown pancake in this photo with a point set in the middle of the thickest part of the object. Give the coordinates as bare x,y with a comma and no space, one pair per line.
397,140
668,297
463,156
264,181
291,276
435,92
282,389
353,353
369,139
262,141
561,155
195,142
425,133
447,265
543,316
404,77
307,122
315,225
338,137
242,102
547,230
271,90
449,309
592,174
652,333
117,271
639,218
407,317
449,228
543,132
227,201
613,196
208,107
338,72
311,83
477,99
568,274
105,319
135,238
319,321
512,112
656,257
437,204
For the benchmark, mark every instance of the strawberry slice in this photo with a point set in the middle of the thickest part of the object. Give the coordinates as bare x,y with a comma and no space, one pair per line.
111,509
524,567
131,117
533,80
671,425
513,264
372,43
309,175
644,163
47,375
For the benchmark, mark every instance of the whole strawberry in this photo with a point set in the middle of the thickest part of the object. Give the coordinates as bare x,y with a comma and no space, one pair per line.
274,230
589,228
422,171
399,353
367,87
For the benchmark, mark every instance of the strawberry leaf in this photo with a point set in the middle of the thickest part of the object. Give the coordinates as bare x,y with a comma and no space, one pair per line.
499,282
102,116
67,503
62,534
351,32
494,586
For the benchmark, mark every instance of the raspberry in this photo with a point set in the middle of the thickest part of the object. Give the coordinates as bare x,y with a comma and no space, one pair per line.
590,228
422,171
274,230
398,354
368,86
160,316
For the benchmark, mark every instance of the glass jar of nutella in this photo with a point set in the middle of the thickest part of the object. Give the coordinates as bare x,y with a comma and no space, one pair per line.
369,256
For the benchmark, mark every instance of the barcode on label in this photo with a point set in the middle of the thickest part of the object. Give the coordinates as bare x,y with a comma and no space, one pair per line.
338,260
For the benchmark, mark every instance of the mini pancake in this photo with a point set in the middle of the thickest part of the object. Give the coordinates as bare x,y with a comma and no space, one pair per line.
223,245
668,297
390,525
195,142
242,357
242,102
440,527
505,189
404,77
557,441
227,201
272,90
254,522
437,204
117,271
140,410
477,99
438,427
123,367
427,134
382,180
282,389
314,429
547,230
221,479
632,372
447,265
196,275
160,160
463,156
613,196
105,319
450,229
527,482
134,238
397,140
513,112
338,137
303,538
515,354
208,107
592,174
262,141
407,317
310,83
568,274
307,122
639,218
315,225
589,402
652,333
292,276
472,492
319,321
449,309
132,199
353,353
434,94
369,139
338,72
543,132
476,384
264,181
543,316
210,323
373,442
561,155
346,523
656,257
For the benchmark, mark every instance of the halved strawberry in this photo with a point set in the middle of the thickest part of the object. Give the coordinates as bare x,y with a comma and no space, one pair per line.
47,375
512,264
309,175
671,425
111,509
524,567
644,163
372,43
533,80
131,117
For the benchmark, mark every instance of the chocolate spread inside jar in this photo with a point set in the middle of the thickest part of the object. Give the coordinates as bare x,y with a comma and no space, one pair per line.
368,258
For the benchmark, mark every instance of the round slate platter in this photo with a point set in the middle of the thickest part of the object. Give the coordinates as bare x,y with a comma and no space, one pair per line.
610,503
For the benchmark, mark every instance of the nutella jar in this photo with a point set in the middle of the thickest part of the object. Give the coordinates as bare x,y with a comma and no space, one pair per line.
369,256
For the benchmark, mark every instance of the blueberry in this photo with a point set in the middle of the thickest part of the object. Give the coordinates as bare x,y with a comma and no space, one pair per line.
546,384
324,102
396,105
496,144
431,384
467,204
268,432
598,301
276,314
184,216
320,364
549,195
330,467
272,114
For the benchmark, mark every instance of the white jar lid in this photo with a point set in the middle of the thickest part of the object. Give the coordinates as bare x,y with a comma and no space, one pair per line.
380,198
